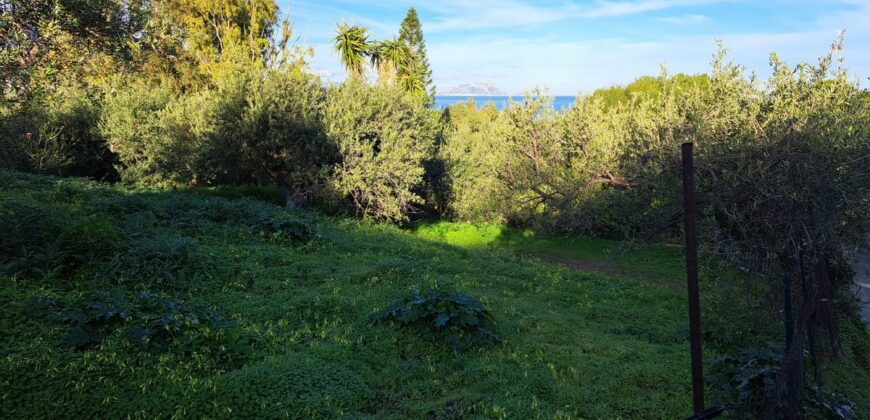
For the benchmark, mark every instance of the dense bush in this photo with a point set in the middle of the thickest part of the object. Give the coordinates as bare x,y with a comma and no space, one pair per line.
132,125
611,169
472,160
564,171
649,87
383,137
270,129
253,125
56,133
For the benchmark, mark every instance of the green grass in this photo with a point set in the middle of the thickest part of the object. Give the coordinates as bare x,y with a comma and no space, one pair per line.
574,344
657,263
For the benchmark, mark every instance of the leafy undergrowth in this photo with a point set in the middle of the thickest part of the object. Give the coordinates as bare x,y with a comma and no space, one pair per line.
736,308
145,303
450,316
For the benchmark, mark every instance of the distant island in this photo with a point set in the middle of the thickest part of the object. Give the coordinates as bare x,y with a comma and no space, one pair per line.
474,89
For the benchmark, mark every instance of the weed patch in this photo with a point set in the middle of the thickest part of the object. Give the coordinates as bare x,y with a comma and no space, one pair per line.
449,316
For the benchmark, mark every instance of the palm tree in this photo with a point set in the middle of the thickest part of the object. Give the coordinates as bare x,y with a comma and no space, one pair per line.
388,57
352,46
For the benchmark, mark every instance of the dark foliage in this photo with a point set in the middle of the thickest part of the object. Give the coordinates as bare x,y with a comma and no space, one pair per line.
40,242
159,260
747,382
449,316
145,317
296,231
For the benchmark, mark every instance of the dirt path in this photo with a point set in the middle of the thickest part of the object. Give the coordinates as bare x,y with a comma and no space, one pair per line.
603,267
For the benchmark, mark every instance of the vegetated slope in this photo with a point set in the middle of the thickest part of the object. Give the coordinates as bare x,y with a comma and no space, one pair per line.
123,302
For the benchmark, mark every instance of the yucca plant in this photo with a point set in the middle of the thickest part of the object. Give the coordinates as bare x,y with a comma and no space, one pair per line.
352,46
388,57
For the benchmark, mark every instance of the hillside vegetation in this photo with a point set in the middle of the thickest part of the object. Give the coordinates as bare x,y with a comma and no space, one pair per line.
466,229
147,302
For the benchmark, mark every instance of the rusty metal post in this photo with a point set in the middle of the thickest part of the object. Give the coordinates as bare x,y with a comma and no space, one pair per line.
690,227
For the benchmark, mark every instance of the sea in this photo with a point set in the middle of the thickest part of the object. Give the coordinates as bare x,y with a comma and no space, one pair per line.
501,102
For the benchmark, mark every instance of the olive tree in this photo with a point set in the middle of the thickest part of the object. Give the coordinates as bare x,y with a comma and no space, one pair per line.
253,125
383,136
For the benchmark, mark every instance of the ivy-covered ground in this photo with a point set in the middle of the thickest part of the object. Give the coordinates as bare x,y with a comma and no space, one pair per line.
119,302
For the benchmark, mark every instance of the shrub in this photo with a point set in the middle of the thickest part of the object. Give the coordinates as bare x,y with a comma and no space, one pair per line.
146,318
160,260
137,123
56,133
383,137
297,231
23,147
472,158
450,316
253,125
746,382
271,128
38,242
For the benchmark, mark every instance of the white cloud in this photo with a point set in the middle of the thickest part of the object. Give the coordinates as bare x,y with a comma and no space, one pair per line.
487,14
685,19
518,64
622,8
481,14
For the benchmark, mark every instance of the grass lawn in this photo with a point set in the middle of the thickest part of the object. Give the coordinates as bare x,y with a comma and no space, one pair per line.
145,303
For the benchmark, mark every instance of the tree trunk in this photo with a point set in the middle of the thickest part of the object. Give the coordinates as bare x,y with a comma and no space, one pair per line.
291,199
609,180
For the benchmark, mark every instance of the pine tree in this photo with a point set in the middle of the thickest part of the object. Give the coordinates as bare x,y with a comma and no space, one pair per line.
411,34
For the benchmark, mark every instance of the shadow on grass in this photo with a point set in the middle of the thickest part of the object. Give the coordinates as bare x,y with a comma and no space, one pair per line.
575,344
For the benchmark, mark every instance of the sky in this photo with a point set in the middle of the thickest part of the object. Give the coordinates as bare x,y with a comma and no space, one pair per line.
573,46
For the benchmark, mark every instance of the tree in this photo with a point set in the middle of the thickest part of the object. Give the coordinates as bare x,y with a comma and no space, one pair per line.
416,77
54,56
276,135
648,87
398,62
388,57
43,41
473,155
352,46
216,29
257,125
383,137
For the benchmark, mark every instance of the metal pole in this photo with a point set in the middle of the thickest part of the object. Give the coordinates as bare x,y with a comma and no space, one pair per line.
690,227
787,310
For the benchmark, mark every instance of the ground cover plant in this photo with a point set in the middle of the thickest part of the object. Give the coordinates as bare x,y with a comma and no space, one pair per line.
218,268
283,327
450,316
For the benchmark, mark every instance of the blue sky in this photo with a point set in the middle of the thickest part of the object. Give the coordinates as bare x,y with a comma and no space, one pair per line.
572,46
